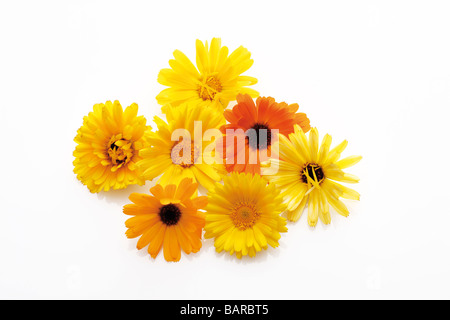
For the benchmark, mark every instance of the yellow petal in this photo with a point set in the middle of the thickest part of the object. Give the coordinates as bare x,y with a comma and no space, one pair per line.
335,153
313,209
324,148
348,162
313,144
324,211
338,205
297,212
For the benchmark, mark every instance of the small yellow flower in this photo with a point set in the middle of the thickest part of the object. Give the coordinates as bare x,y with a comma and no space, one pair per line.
243,214
307,175
168,156
215,82
108,147
169,219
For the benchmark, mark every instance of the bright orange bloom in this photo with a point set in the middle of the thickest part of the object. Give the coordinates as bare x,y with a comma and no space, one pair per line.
169,219
265,115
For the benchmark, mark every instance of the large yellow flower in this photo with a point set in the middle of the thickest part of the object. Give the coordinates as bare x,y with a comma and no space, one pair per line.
307,175
169,219
215,82
185,158
243,214
108,147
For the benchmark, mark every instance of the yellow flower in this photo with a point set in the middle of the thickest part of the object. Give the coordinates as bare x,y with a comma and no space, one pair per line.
108,147
168,219
215,82
307,175
243,214
176,157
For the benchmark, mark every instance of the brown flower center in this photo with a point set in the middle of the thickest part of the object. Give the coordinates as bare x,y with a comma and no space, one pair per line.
312,171
120,150
244,215
258,141
170,214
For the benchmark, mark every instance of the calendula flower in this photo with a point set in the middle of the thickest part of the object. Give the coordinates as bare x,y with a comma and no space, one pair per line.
243,215
108,147
265,115
169,219
309,175
216,80
174,157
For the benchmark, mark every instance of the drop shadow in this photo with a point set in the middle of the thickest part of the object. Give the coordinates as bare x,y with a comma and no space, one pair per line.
260,257
202,191
207,248
120,197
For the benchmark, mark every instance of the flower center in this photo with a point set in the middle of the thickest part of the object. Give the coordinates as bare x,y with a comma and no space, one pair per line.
244,215
208,89
259,142
185,153
313,172
120,150
170,214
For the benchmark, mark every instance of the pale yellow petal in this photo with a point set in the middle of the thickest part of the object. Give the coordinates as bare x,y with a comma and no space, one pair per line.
348,162
313,144
297,212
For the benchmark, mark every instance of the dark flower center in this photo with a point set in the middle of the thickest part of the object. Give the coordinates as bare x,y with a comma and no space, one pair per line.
113,146
314,171
259,142
170,214
120,150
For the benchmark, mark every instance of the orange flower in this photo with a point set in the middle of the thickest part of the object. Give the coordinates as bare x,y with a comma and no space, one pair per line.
266,115
169,219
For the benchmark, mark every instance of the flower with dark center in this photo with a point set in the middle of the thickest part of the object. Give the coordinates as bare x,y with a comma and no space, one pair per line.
310,175
260,122
262,139
312,171
169,219
170,214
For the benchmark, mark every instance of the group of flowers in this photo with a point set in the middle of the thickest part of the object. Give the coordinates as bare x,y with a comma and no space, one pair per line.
258,170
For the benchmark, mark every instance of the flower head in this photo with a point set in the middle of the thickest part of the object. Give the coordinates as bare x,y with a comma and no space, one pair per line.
307,175
214,82
108,147
243,215
169,219
175,157
263,117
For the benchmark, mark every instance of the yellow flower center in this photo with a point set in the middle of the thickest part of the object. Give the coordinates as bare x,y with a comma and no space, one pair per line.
184,153
244,215
208,89
312,173
120,150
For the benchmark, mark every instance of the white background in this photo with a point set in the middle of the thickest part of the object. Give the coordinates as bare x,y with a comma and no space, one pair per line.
376,73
